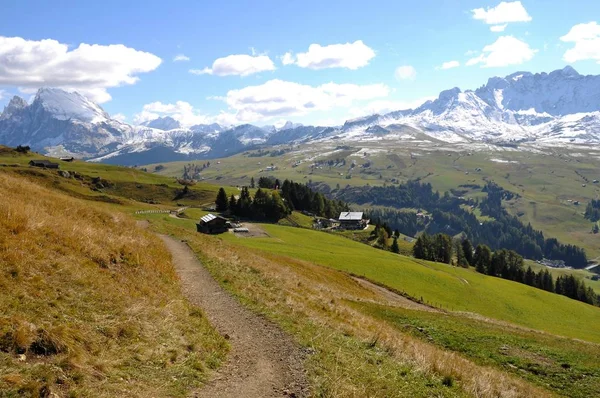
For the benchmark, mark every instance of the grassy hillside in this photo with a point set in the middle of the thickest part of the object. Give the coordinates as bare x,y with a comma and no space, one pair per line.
128,187
453,288
351,352
277,278
91,304
102,282
565,366
546,179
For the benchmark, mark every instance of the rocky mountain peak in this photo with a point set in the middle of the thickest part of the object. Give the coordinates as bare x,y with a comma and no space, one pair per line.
16,104
163,123
65,105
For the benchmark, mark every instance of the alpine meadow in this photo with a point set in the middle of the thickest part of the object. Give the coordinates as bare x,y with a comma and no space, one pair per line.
300,200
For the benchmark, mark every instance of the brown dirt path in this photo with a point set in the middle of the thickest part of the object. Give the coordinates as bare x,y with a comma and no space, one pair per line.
264,361
393,298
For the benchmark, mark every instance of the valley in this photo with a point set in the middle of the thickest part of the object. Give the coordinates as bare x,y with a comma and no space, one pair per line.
554,184
476,335
308,199
513,166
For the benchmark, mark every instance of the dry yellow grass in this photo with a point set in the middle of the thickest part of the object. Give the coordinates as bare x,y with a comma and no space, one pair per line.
90,303
311,301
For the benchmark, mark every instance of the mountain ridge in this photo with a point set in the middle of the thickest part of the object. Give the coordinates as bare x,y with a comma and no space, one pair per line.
553,108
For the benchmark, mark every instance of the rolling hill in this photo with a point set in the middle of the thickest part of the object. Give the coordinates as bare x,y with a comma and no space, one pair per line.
462,334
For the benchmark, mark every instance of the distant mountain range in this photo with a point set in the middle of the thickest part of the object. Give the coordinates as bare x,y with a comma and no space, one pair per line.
548,108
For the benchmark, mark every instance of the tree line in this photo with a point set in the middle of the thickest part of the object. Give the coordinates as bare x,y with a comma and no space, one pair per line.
448,216
502,263
265,205
273,201
592,210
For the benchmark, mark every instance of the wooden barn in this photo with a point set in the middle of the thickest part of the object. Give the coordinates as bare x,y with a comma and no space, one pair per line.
211,224
43,163
352,220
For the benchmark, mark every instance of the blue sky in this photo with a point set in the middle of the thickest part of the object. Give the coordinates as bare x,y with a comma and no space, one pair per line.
389,54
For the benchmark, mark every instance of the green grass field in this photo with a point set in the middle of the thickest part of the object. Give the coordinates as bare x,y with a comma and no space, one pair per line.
565,366
545,181
579,273
555,363
123,185
451,288
558,364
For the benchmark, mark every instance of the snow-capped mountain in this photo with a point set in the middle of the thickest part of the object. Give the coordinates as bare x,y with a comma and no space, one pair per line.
63,123
550,108
163,123
556,107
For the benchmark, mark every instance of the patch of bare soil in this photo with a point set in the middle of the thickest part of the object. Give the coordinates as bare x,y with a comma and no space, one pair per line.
263,361
393,298
254,231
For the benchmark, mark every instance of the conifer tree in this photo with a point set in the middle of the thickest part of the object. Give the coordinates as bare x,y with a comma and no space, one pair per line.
467,249
482,258
461,259
232,203
221,201
395,247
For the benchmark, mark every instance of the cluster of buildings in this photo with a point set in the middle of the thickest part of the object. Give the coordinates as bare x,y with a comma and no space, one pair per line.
212,224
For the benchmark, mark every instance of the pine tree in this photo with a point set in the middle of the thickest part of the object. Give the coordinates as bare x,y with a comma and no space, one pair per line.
461,260
318,204
252,183
232,203
395,247
467,248
419,249
482,258
221,201
442,248
529,277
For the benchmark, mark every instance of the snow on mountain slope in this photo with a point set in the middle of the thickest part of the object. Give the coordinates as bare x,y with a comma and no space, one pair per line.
558,93
163,123
70,106
59,122
555,108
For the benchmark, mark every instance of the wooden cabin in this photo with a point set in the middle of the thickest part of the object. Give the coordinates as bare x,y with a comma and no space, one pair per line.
211,224
352,220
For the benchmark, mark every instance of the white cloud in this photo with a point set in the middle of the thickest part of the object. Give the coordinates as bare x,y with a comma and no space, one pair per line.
405,72
2,94
385,106
449,65
181,58
181,111
278,98
273,99
119,116
287,59
498,28
349,55
502,13
505,51
586,39
237,65
330,121
90,68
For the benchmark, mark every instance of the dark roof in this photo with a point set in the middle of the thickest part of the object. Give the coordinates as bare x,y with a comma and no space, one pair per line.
43,162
